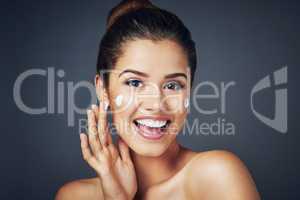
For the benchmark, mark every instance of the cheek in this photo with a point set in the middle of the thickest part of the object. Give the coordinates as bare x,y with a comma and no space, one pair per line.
119,100
122,108
122,102
186,102
176,104
178,107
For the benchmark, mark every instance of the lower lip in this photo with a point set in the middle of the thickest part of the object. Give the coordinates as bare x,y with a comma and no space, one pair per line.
149,133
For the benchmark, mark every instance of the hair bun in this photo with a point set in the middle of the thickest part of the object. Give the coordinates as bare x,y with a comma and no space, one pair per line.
126,6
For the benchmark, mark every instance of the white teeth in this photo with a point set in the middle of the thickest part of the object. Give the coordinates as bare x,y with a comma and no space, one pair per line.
152,123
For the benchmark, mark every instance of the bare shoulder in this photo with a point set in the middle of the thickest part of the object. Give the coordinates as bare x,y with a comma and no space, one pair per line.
219,174
79,190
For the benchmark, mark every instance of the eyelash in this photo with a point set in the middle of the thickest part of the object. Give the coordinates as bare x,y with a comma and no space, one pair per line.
181,86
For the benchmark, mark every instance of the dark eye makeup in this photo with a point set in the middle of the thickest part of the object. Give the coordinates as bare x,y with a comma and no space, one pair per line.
170,85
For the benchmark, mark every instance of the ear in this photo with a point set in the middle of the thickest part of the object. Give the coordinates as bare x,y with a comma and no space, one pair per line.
100,90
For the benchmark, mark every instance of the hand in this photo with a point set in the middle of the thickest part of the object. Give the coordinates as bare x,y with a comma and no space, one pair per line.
115,168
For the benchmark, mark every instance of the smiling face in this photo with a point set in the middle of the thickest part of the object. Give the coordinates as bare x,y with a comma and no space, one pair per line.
148,91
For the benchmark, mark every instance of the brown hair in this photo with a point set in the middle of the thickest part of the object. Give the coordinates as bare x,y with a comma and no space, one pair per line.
140,19
126,6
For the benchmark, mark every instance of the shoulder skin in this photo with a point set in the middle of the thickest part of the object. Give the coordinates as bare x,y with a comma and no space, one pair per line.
79,190
219,174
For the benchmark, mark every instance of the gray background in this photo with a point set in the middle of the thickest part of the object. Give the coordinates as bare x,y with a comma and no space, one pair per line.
240,41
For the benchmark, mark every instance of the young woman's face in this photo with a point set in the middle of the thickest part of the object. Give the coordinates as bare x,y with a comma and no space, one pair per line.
148,89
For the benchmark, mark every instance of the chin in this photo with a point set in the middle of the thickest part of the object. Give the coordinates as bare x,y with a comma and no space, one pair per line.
151,149
148,151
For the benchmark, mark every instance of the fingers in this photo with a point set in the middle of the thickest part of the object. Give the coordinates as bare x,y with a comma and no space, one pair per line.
104,134
86,152
102,117
96,111
103,131
102,122
107,136
93,134
124,151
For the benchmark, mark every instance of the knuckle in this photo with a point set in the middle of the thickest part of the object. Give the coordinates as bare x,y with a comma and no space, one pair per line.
94,129
105,160
93,132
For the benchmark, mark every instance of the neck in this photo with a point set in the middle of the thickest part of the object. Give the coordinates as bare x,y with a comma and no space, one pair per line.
154,170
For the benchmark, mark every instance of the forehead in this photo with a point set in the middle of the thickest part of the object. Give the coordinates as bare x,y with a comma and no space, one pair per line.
153,57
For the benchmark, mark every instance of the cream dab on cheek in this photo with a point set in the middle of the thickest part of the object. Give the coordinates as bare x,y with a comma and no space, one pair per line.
186,102
118,100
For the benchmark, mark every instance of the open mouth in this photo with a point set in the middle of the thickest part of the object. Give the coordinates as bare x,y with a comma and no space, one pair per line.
151,129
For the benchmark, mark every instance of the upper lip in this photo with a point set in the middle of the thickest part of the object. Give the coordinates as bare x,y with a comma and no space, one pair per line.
157,117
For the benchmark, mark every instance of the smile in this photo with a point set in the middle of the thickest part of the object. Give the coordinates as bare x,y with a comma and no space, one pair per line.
151,129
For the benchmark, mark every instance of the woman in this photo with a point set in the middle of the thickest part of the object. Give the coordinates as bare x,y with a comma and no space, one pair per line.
150,59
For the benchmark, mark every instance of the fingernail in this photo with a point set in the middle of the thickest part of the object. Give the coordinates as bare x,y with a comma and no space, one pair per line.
88,111
81,136
94,106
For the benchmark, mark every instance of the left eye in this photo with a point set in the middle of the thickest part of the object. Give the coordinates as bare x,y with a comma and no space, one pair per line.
173,85
133,83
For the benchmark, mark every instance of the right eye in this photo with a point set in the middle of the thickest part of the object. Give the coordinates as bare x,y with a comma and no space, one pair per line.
133,82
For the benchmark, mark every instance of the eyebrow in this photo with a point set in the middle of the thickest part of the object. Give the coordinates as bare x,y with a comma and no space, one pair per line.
146,75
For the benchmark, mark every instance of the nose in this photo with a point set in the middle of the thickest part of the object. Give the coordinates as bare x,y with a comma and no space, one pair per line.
150,100
152,103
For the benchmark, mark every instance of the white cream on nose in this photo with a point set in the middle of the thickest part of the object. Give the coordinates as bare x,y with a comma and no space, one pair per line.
119,100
